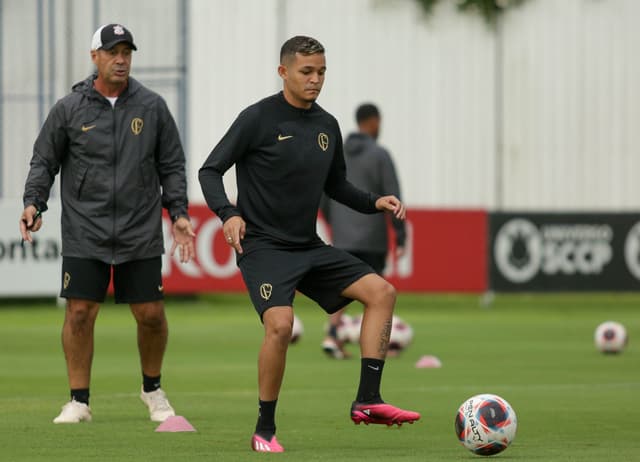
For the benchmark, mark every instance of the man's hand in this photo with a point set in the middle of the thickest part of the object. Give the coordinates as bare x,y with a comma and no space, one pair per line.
30,220
234,230
392,204
183,238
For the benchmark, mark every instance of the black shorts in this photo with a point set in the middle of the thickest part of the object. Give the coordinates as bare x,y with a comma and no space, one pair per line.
376,260
321,273
137,281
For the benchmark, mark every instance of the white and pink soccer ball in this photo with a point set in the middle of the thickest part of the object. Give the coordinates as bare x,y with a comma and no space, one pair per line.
486,424
400,338
348,330
401,335
610,337
297,330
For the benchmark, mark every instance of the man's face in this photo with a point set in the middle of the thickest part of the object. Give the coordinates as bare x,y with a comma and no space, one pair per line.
113,65
371,127
303,78
375,127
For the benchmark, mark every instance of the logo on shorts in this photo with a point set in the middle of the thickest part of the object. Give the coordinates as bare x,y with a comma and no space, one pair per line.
136,125
160,288
66,280
323,141
265,291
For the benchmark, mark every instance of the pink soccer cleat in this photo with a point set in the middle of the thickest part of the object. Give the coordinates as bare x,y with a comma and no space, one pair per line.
381,414
259,444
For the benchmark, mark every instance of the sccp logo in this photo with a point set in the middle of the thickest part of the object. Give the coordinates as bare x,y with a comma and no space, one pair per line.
632,251
518,250
570,249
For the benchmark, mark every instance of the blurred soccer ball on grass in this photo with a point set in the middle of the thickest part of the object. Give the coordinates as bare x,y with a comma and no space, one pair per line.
401,332
611,337
297,330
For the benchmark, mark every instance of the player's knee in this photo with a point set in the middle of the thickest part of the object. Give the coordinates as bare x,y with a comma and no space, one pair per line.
152,322
81,314
385,295
280,330
150,315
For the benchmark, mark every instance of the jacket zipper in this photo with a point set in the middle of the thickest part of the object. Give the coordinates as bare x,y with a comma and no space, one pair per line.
115,170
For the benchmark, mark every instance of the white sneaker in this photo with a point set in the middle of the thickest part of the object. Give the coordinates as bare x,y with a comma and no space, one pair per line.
74,412
334,349
158,404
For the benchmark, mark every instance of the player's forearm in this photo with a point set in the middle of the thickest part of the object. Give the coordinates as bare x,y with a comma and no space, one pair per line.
174,193
355,198
215,195
38,186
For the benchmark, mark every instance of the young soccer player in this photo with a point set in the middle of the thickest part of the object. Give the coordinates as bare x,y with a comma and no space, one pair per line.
288,150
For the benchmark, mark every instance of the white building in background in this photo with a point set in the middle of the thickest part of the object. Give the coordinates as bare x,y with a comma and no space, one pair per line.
538,114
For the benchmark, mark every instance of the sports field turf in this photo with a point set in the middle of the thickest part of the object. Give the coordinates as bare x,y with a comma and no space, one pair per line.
573,404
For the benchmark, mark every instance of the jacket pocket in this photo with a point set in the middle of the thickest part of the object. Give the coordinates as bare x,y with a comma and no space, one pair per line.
80,170
150,182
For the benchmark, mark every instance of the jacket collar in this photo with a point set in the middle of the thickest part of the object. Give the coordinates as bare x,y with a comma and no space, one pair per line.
86,87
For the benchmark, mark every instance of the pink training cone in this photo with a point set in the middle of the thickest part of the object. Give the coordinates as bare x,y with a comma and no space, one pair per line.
428,361
175,423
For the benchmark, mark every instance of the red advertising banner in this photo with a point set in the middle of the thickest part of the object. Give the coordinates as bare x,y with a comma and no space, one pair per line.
446,251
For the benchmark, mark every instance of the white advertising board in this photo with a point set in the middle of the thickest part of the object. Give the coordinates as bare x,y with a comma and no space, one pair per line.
29,269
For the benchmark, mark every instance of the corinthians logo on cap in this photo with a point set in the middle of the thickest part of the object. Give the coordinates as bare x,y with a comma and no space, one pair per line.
109,35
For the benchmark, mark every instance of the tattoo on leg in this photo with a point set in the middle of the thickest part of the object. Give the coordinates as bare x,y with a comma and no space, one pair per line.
384,337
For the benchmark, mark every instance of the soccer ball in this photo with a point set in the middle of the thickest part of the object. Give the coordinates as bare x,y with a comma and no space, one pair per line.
486,424
347,330
297,330
400,338
610,337
401,335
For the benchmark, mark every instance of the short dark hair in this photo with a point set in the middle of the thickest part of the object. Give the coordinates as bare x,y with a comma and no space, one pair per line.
300,44
366,111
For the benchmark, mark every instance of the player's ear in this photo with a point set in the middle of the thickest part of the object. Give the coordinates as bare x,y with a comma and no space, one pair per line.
282,71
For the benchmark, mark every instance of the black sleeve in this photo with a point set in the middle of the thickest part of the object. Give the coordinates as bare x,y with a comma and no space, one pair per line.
233,145
391,185
48,151
338,188
170,164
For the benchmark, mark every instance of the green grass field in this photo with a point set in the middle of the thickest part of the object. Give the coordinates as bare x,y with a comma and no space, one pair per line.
573,404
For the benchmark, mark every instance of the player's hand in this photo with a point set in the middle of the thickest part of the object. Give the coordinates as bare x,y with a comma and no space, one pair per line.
183,239
392,204
234,230
30,221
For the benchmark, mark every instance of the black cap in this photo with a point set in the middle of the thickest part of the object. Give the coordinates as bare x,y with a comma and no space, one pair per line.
109,35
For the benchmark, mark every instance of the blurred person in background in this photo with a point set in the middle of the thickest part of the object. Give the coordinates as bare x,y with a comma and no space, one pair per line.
369,167
120,159
287,150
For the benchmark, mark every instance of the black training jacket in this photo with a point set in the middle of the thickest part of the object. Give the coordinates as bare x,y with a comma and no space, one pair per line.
118,167
285,158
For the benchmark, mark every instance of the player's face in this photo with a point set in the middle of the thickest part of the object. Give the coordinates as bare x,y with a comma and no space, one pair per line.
113,65
375,127
303,78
